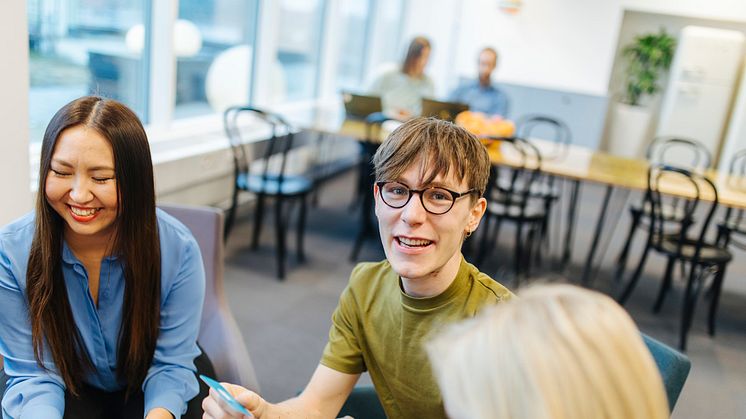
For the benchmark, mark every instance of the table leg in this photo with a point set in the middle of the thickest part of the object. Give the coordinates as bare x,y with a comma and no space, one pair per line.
572,212
589,272
585,279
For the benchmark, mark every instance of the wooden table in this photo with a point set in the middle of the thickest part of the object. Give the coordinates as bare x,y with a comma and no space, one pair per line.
575,163
578,164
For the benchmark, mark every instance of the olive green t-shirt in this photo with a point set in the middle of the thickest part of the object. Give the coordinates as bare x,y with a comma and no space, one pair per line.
378,328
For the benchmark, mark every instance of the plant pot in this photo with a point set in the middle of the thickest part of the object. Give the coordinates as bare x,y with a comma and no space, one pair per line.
628,130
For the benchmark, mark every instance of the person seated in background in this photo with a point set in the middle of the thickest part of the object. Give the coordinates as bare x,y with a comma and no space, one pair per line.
101,292
556,351
430,180
480,94
401,90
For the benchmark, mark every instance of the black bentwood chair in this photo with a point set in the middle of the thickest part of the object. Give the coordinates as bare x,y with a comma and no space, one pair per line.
682,241
676,152
552,130
509,198
269,179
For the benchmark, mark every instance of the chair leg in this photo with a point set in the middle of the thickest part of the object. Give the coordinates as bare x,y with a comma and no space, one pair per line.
482,250
518,251
489,240
366,222
687,311
280,231
624,254
636,276
301,229
528,251
231,218
717,286
665,285
258,219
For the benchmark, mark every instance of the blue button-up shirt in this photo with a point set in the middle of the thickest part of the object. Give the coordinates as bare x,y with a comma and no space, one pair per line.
170,382
486,99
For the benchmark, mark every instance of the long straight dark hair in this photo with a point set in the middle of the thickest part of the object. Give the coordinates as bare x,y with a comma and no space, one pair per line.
136,244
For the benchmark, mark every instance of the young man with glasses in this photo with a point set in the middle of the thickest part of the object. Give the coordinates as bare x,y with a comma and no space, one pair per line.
430,178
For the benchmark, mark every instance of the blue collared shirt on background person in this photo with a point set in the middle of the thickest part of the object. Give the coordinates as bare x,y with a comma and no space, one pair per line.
170,382
486,99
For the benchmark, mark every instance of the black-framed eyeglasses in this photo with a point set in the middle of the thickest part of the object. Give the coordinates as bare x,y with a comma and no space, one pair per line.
435,200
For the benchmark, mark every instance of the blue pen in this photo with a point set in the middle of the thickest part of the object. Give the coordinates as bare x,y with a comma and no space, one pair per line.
232,402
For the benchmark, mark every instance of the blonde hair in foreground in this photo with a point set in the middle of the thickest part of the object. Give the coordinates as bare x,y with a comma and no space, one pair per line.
557,351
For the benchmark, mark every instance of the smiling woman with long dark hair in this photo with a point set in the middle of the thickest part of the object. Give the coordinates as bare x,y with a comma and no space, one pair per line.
101,292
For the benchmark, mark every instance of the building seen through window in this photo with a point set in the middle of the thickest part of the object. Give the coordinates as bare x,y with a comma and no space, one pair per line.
77,47
213,65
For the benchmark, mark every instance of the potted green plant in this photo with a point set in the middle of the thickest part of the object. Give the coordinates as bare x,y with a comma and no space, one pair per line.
646,59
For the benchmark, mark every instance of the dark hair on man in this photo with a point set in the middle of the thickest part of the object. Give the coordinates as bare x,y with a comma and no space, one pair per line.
136,244
416,48
440,146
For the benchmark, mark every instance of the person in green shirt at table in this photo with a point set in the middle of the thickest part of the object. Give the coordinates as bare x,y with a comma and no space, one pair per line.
430,180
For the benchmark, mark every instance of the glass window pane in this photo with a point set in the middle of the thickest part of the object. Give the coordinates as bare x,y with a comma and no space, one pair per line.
300,26
352,43
213,43
79,47
391,23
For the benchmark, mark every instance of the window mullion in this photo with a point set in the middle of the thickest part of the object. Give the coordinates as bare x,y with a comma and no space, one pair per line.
162,80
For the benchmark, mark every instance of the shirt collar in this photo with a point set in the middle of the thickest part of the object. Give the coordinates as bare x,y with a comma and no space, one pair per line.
442,298
69,257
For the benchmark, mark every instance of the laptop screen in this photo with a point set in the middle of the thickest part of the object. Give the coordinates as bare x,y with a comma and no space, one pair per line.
359,106
442,110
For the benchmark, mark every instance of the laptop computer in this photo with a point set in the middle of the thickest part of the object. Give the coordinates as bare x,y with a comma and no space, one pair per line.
442,110
359,106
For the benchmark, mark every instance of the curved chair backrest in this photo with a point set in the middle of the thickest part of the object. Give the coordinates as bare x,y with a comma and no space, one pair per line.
546,128
679,152
673,366
512,184
219,335
280,142
662,181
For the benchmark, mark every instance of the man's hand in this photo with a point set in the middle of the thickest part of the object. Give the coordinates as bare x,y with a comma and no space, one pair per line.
217,408
322,399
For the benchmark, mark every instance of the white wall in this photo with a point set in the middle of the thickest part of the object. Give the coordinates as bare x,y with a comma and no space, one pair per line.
14,155
565,45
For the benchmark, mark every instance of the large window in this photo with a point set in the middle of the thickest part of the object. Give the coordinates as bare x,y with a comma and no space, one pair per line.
390,30
120,49
214,47
298,45
352,43
78,47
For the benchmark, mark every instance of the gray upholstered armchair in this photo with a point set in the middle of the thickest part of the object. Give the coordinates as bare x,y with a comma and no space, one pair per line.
219,335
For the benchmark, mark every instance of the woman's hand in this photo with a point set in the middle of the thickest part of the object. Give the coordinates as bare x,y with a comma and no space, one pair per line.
216,408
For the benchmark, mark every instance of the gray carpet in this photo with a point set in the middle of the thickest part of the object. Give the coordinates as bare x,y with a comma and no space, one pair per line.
285,324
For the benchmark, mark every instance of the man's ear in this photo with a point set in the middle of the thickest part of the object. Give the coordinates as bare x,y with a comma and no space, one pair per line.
476,213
